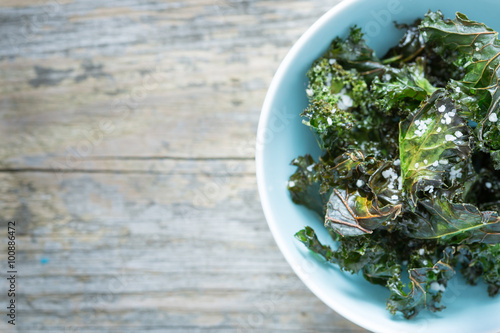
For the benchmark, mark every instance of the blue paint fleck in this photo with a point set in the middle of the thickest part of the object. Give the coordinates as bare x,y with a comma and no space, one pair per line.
472,124
44,260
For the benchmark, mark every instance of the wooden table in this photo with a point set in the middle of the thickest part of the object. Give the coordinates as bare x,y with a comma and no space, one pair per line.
127,163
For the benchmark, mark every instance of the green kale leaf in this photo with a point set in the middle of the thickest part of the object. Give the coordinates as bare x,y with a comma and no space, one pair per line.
427,284
409,182
353,53
303,184
447,220
402,89
479,261
351,214
308,237
432,141
477,49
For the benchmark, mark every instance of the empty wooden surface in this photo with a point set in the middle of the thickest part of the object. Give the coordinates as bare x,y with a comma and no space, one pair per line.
127,161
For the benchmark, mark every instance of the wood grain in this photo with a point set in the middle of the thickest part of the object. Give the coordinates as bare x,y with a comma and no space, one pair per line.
128,132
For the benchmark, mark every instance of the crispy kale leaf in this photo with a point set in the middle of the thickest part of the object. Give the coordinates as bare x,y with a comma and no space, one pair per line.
476,48
351,214
458,221
342,109
303,184
334,93
479,261
409,47
308,237
426,289
353,53
402,89
413,48
378,257
433,143
409,183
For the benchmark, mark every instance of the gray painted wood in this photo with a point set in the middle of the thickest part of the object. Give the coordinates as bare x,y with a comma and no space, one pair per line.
128,132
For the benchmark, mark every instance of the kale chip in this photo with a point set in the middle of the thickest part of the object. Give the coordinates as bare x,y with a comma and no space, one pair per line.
409,182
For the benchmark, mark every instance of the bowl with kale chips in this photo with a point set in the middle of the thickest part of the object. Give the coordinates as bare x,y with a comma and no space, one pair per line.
378,163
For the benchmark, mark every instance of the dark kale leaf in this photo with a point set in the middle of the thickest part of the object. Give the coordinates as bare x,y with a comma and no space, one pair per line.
402,90
409,47
303,184
351,214
341,109
457,221
476,48
434,143
426,289
480,261
421,198
353,53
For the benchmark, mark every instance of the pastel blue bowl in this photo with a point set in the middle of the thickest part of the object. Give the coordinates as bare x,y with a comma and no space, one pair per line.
281,137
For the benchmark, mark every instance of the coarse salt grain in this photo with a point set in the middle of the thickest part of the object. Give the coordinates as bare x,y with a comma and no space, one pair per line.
429,188
449,137
345,102
455,173
436,287
389,173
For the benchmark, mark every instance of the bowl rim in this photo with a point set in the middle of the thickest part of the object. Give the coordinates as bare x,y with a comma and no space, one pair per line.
259,160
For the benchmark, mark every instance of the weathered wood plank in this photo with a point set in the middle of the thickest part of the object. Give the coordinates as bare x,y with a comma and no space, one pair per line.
83,258
128,132
166,81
